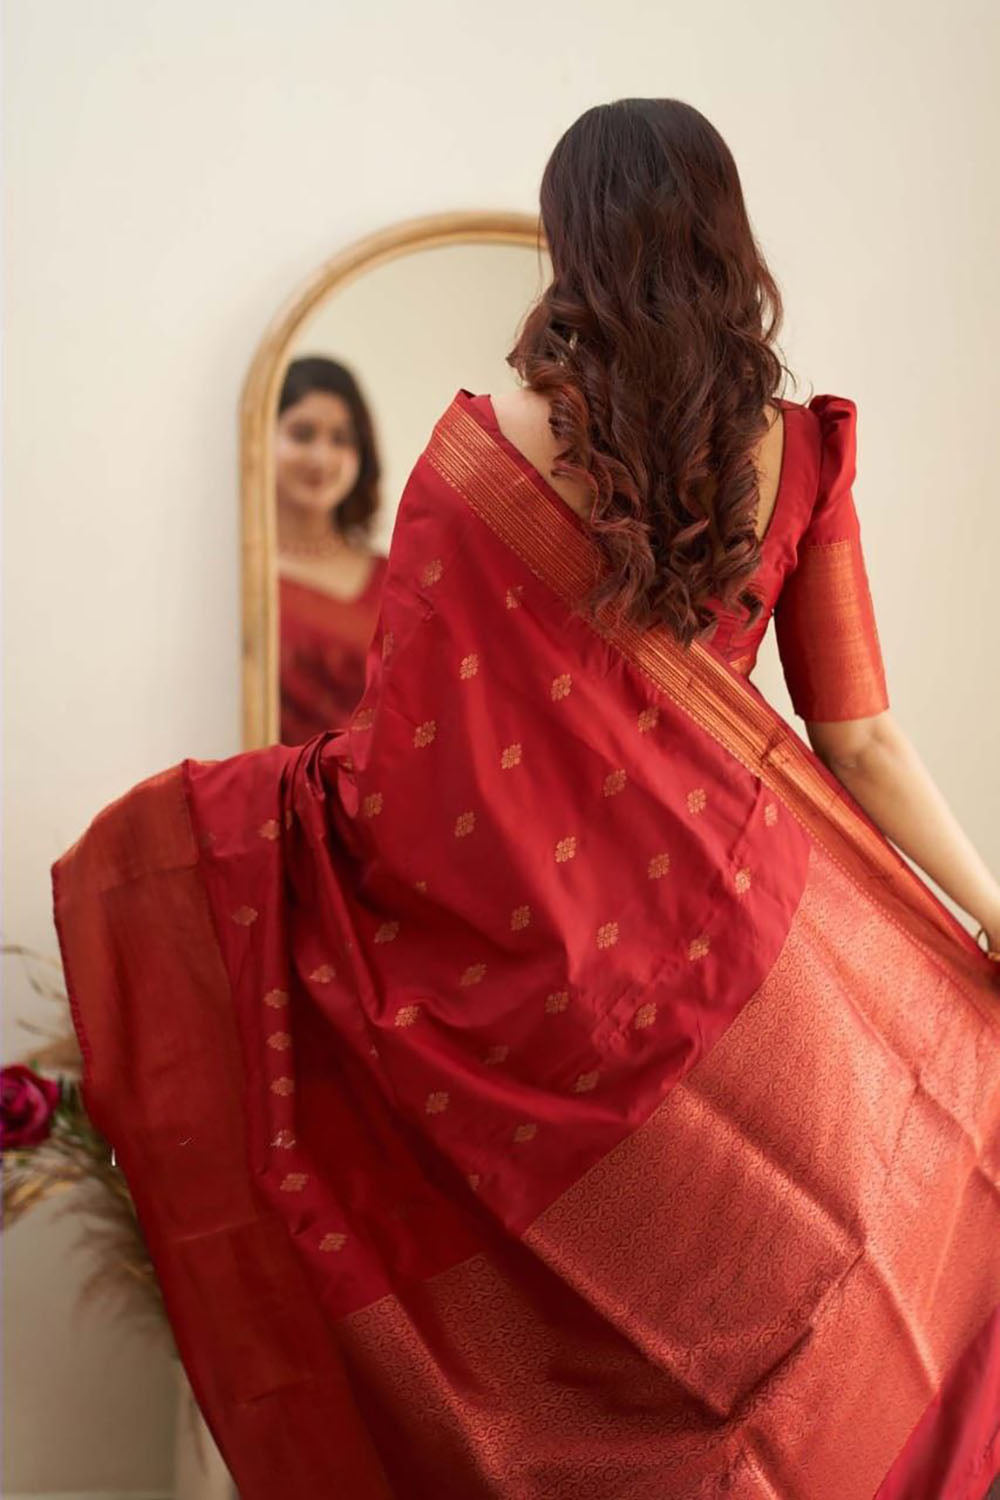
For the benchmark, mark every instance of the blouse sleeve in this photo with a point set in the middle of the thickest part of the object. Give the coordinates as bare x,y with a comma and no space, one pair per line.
824,619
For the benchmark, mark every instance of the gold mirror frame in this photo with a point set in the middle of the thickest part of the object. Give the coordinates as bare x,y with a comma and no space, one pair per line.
257,405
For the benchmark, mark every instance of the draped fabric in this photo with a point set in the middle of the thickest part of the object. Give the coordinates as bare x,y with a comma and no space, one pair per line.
552,1084
323,648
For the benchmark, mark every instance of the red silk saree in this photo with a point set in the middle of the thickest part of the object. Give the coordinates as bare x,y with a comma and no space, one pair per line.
552,1085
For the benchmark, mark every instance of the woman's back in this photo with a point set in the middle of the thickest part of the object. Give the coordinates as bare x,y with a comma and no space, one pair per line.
811,576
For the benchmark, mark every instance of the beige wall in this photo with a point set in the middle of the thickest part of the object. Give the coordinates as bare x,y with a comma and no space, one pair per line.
173,171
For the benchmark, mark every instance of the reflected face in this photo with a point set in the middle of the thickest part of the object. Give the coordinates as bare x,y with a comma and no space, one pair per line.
317,457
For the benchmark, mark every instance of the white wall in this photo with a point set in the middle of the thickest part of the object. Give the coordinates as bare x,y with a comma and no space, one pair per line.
174,168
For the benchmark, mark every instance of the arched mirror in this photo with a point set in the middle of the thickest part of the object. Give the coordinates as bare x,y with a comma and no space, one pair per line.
337,406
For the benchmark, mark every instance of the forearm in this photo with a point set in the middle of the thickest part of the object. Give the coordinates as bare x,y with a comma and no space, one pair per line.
896,790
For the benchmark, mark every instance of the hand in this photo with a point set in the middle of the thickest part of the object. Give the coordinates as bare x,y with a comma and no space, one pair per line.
991,927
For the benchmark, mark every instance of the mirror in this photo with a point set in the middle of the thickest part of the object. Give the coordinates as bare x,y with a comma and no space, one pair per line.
338,404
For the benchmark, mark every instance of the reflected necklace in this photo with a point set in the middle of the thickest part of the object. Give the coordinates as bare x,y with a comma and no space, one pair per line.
332,545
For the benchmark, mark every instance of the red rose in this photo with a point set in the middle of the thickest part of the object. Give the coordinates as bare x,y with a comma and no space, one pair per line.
27,1105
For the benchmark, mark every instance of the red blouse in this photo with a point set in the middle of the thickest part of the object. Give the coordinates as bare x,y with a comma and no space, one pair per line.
323,650
812,574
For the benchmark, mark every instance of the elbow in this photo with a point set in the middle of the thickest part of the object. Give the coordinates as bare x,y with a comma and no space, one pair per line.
848,747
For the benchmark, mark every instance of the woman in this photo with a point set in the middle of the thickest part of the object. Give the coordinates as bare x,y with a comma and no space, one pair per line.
326,488
556,1084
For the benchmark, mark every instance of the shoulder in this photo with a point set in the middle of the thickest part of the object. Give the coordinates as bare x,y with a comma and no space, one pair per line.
521,410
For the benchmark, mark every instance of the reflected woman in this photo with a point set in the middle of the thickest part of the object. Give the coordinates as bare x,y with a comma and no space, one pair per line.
330,582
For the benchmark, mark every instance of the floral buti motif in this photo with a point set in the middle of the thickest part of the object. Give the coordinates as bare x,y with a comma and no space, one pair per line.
614,783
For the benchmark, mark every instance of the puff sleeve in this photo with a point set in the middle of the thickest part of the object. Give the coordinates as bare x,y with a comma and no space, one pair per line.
824,619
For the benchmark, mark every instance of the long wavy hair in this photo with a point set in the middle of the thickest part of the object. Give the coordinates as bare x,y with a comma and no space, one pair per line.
355,515
653,344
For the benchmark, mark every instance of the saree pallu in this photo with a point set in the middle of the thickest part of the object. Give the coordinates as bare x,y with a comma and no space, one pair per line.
552,1085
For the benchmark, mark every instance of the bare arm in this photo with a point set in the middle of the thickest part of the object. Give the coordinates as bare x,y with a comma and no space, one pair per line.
876,762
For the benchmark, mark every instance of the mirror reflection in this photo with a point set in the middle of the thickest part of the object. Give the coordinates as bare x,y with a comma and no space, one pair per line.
327,495
352,416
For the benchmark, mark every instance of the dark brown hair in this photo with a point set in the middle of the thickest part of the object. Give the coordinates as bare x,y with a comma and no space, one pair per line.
653,344
315,372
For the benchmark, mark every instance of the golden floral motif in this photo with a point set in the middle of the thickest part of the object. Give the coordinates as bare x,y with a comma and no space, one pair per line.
473,974
244,915
363,719
289,817
696,800
586,1082
280,1040
607,935
269,830
525,1132
322,974
561,686
294,1182
371,806
407,1015
648,719
614,783
644,1016
658,866
741,880
420,885
513,598
565,849
335,1241
388,641
274,998
698,947
469,665
437,1102
556,1002
511,757
432,572
473,1179
283,1086
424,733
387,933
771,814
464,824
520,918
497,1054
284,1140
